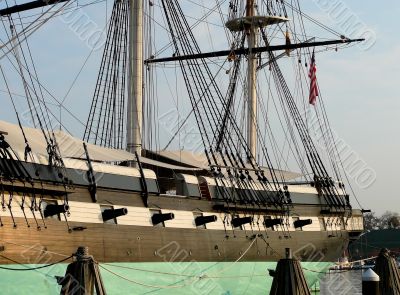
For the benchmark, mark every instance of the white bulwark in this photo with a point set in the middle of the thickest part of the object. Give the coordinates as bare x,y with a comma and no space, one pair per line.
140,216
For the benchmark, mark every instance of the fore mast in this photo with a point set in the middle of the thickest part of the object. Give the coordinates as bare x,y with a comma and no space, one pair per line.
135,78
251,81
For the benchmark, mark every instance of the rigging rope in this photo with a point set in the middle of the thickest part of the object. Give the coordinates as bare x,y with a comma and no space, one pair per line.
149,285
106,121
209,115
193,277
322,180
31,28
33,268
38,109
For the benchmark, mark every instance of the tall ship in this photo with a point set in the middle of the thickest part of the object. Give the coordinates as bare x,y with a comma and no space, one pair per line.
206,152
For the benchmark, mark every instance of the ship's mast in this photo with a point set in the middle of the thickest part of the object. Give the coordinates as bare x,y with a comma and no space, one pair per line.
251,82
135,78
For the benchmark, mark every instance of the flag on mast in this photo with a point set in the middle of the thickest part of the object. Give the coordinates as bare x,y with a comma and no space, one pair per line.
313,81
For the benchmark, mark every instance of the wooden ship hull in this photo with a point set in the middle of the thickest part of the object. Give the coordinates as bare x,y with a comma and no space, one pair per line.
125,243
31,235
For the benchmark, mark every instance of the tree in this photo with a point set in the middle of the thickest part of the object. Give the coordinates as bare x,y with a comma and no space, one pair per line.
389,220
371,221
394,222
386,220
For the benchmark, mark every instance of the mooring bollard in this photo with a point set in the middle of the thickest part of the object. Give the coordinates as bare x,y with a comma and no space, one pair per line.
370,283
82,276
289,277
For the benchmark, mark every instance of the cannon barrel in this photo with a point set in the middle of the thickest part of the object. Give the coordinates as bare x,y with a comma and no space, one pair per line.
108,214
158,217
301,223
238,221
201,220
53,209
272,222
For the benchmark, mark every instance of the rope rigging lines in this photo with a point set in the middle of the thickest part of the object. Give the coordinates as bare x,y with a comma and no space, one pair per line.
13,169
225,145
34,95
237,182
36,267
239,175
323,182
187,279
106,121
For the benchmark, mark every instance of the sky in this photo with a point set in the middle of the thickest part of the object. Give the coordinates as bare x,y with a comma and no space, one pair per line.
360,85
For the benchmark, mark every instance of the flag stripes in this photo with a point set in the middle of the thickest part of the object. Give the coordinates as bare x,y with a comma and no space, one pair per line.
313,81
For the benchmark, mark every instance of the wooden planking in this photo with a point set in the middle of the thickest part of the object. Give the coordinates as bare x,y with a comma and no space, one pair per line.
120,243
303,189
333,223
140,216
183,219
355,223
360,223
136,216
85,212
16,207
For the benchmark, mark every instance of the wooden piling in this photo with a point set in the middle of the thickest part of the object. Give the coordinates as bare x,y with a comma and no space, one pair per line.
82,276
388,272
289,278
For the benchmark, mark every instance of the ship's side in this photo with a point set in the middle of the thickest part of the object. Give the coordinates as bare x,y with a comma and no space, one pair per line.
137,254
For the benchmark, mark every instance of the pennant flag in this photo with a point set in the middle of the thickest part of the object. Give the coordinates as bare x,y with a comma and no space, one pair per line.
313,81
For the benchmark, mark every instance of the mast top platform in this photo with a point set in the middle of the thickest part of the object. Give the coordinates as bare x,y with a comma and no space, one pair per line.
243,23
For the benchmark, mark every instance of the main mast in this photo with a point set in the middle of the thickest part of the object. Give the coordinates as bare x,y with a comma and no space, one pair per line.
251,82
250,23
135,76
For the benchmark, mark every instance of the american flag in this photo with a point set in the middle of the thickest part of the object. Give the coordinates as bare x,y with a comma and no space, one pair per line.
313,81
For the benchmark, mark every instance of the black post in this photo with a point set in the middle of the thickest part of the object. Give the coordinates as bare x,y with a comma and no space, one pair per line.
370,283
